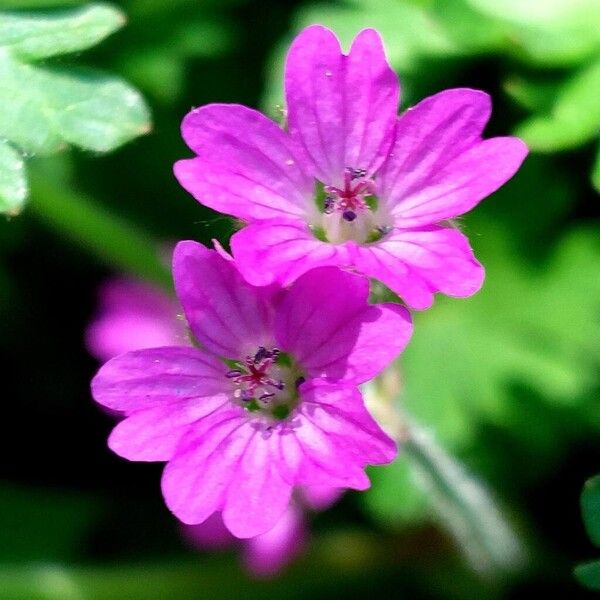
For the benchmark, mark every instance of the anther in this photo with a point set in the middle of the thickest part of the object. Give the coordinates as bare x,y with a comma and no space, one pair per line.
233,374
261,354
349,215
329,205
300,381
357,173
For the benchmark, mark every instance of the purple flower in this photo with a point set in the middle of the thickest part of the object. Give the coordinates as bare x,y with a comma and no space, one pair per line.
350,183
132,315
267,402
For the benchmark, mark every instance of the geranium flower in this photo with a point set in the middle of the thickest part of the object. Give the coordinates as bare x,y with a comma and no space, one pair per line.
350,183
267,402
132,315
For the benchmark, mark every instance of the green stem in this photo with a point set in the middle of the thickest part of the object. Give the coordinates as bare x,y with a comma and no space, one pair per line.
119,244
463,505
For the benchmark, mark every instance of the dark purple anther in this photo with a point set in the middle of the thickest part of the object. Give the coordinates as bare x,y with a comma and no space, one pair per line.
247,395
349,215
383,229
266,397
329,205
261,354
300,381
279,385
358,173
233,374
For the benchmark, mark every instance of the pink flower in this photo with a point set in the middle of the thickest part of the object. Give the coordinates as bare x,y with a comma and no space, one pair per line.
350,183
267,402
132,315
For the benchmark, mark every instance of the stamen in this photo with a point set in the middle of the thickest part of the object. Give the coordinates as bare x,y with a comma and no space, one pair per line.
329,205
300,381
349,215
261,354
233,374
356,173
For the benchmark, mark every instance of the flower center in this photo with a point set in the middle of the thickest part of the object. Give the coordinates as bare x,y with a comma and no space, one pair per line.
266,382
350,212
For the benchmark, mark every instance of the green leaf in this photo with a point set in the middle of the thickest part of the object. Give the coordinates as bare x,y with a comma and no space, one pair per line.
590,508
46,108
547,32
394,497
588,574
42,35
574,118
54,532
534,95
158,65
596,171
74,215
13,181
532,326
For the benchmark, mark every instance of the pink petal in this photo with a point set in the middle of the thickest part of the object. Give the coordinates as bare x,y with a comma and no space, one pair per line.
155,377
281,251
265,555
332,438
226,315
439,167
258,495
210,534
152,434
133,315
246,165
196,479
321,497
341,109
326,324
417,263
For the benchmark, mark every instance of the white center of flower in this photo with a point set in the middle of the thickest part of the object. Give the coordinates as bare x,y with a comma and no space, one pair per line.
266,382
350,212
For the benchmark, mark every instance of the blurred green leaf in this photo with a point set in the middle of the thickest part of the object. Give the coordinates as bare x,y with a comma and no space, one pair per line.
590,508
159,64
121,245
43,524
394,497
537,96
35,36
46,108
574,118
13,181
596,171
536,327
547,32
588,574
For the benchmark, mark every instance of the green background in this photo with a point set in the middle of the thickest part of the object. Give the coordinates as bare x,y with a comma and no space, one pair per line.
504,386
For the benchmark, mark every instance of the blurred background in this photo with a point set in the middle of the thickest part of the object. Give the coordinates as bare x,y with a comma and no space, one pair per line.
503,387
